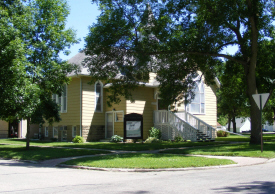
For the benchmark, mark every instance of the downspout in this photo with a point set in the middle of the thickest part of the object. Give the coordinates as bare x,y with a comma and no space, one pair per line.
80,107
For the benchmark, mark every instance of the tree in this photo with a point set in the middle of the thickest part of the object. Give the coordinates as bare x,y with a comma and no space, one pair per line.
31,71
154,34
232,98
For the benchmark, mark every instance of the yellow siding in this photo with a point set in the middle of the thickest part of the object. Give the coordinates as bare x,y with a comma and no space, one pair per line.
89,116
72,116
4,126
143,97
210,116
143,105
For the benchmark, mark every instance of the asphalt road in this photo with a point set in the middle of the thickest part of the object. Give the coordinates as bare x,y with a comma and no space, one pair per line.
20,177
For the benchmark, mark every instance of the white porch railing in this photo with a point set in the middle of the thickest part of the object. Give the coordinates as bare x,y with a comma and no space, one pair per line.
171,126
198,124
184,124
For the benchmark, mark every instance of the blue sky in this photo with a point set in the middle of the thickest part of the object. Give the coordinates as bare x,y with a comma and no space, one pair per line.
82,14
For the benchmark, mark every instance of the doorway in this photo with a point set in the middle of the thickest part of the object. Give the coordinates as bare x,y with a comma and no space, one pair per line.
13,129
109,125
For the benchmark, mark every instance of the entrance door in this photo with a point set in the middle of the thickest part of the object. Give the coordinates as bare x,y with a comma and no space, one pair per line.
13,129
109,125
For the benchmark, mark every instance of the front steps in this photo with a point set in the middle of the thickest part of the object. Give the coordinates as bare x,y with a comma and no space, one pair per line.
201,137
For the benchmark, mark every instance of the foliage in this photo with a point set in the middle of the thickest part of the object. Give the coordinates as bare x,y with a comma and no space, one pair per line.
152,140
178,138
154,132
222,133
116,138
78,139
31,70
175,39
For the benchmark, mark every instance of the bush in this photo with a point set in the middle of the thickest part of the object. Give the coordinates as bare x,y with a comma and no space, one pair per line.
78,139
54,139
178,139
116,138
222,133
154,132
152,140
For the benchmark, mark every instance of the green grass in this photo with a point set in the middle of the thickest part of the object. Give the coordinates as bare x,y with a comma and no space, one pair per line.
112,146
245,149
38,153
234,138
147,161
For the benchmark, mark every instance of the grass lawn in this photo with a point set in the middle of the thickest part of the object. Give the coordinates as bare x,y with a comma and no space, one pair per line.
147,161
231,150
112,146
38,153
235,138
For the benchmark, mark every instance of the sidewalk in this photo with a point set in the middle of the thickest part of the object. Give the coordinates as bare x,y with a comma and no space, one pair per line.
240,161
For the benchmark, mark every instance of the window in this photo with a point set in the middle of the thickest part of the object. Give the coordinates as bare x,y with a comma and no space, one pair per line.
63,130
119,115
46,131
98,96
197,105
61,100
74,131
55,132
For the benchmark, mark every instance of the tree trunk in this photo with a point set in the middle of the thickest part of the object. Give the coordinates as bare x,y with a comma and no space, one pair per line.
28,133
234,124
229,123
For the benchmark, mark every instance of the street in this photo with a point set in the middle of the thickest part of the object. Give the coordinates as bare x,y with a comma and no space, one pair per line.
20,177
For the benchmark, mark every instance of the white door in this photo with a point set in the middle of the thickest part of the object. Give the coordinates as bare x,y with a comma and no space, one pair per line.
109,125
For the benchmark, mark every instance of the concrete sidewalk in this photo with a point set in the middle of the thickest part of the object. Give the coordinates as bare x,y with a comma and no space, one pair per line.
240,161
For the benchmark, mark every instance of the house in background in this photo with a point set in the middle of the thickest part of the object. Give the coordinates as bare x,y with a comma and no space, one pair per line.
84,110
13,129
242,124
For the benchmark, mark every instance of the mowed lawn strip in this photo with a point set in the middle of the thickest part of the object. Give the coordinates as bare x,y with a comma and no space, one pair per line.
244,149
39,153
147,161
112,146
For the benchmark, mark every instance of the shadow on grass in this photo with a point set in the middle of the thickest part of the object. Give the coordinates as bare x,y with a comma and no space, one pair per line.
253,187
39,153
244,149
113,146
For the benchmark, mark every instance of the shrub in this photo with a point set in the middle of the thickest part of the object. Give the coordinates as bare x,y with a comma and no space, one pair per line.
78,139
116,138
222,133
178,139
154,132
54,139
152,140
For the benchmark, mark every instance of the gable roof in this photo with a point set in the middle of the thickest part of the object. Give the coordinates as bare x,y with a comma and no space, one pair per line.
78,60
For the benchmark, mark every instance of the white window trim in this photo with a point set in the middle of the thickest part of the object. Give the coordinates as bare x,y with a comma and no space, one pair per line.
74,127
117,121
189,105
46,131
62,100
53,131
101,97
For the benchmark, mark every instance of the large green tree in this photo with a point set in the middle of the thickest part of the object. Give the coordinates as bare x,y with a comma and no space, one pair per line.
189,35
32,36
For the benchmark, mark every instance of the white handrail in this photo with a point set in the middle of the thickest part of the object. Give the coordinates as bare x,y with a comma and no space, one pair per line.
163,116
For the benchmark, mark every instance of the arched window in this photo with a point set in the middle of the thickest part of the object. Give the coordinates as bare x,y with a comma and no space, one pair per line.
98,96
197,105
